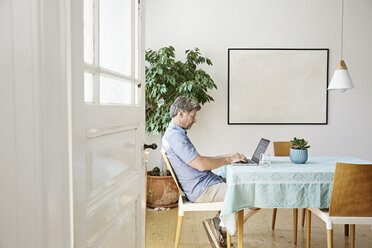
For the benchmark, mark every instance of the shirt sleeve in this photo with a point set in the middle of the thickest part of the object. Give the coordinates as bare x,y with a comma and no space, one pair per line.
182,146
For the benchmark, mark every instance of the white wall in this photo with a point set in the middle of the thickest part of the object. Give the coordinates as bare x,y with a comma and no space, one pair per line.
214,26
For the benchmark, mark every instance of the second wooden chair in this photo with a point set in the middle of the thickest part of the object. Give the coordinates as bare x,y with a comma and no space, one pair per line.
350,203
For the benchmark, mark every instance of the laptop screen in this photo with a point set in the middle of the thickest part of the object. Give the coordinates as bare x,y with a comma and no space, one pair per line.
261,148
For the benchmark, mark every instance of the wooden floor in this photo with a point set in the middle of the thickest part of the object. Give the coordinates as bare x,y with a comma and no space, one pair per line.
160,227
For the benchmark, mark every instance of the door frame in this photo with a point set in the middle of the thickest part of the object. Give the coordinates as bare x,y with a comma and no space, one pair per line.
56,108
36,176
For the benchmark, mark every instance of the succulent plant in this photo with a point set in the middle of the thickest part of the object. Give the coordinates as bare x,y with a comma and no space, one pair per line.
299,144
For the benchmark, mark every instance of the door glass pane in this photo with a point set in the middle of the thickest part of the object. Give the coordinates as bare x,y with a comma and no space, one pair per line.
88,31
115,35
88,87
113,91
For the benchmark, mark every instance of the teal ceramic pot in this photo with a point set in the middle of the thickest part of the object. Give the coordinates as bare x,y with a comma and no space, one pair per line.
298,156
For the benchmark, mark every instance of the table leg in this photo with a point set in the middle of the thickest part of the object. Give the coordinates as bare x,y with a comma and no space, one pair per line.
240,228
308,227
295,217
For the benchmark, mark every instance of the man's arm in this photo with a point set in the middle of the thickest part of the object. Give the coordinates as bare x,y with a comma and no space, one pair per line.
202,163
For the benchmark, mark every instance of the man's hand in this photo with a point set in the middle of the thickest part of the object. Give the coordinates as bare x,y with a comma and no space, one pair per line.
238,157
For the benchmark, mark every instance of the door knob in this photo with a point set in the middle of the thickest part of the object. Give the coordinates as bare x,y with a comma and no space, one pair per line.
153,146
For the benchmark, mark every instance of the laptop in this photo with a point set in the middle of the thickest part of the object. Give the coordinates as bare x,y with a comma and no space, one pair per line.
261,148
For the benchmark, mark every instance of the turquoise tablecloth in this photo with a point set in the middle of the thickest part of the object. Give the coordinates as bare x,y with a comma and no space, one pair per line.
283,185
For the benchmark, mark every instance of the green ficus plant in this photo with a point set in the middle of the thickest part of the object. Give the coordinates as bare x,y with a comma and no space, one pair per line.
166,79
299,144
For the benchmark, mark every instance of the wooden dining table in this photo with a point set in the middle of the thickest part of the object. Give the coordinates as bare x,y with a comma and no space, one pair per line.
282,185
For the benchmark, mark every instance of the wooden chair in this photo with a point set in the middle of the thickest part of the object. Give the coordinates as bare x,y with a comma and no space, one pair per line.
351,201
185,206
281,149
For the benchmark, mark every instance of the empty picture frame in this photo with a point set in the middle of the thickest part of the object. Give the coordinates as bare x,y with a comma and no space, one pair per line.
277,86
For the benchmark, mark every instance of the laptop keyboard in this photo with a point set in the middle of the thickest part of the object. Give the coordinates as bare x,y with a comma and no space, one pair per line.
248,162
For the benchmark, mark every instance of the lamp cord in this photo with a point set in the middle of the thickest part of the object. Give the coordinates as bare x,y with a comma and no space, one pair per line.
342,31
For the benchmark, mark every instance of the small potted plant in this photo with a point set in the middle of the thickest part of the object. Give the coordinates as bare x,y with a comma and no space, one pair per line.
166,79
298,153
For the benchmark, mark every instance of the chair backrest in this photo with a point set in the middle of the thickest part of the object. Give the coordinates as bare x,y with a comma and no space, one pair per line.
281,148
352,191
166,160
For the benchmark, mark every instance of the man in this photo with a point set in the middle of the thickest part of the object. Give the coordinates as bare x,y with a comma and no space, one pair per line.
193,171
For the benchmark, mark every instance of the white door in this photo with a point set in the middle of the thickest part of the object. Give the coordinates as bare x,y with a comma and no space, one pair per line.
107,123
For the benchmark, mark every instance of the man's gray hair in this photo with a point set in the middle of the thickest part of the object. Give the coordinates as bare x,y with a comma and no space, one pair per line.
183,103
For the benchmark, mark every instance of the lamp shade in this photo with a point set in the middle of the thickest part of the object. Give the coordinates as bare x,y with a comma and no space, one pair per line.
341,79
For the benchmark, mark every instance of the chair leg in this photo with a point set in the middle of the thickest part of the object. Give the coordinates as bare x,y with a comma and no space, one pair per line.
329,238
303,217
346,229
308,227
295,217
240,228
352,236
228,239
274,218
178,231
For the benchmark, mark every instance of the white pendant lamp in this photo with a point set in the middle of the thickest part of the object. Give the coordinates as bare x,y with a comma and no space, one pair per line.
341,79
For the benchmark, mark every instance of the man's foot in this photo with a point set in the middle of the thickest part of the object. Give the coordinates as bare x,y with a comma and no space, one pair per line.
213,231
